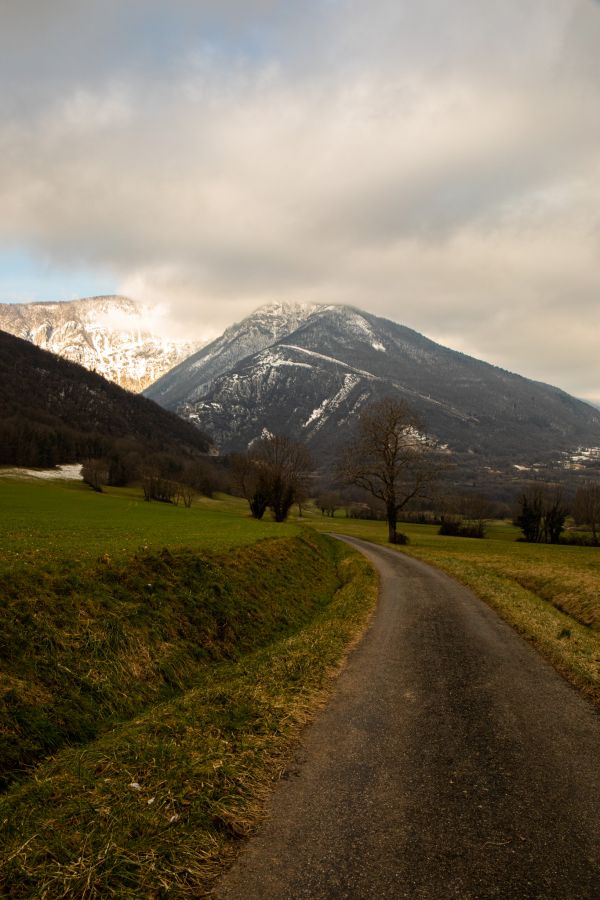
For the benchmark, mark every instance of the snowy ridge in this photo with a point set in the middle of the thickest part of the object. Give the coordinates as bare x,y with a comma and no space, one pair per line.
263,328
329,359
273,358
191,380
357,325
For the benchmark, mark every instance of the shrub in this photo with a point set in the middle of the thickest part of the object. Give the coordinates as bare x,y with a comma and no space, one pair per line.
456,528
578,540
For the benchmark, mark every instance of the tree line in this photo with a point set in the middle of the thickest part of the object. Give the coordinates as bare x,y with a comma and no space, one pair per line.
388,456
543,510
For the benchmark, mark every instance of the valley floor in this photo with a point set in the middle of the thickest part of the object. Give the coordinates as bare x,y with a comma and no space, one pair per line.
161,756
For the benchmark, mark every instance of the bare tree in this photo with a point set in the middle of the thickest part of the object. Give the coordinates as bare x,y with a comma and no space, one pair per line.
95,472
587,507
302,497
185,493
328,502
156,487
390,457
555,513
204,476
249,480
273,473
542,513
284,468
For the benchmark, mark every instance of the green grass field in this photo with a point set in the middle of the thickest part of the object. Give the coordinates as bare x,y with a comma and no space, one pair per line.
45,520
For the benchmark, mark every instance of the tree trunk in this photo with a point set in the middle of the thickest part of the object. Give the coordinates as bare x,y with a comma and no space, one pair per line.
258,504
391,520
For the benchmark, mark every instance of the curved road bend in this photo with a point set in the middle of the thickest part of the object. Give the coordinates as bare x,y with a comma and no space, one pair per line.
451,762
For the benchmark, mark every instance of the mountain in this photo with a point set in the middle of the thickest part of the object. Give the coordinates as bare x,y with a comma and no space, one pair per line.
319,365
189,380
108,335
55,411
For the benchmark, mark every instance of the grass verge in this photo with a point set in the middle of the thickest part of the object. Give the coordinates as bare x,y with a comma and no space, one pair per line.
551,598
85,646
156,806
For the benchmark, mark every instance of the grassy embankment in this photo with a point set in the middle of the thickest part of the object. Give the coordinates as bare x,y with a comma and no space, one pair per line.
550,594
150,695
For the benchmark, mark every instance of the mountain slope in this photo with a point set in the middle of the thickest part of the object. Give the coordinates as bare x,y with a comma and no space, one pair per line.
108,335
55,411
311,382
190,379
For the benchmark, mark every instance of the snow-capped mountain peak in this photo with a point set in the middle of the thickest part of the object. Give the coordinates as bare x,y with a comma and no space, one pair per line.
308,370
264,327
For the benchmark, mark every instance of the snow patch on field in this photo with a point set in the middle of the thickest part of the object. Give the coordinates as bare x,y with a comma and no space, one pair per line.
71,472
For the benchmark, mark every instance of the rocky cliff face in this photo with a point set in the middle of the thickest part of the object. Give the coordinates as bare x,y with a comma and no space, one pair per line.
109,335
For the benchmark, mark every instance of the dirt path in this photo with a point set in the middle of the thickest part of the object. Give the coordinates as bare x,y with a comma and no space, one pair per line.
451,762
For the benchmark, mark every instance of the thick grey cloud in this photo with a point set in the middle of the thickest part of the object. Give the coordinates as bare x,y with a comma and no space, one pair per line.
436,163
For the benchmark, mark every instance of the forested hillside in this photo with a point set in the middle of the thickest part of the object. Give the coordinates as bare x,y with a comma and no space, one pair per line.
54,411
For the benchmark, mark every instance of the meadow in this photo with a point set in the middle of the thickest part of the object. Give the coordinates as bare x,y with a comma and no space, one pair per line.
41,521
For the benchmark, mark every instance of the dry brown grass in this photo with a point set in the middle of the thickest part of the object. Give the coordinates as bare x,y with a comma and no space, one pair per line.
551,595
157,807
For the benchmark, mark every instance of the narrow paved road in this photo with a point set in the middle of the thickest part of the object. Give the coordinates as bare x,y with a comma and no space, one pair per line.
451,762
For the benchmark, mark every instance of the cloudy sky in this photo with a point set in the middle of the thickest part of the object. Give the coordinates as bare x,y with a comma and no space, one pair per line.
437,163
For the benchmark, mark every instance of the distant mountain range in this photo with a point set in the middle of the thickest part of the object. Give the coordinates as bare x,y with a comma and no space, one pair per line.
302,369
108,335
55,411
308,370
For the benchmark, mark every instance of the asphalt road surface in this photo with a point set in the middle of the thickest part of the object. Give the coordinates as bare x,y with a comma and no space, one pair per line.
451,762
